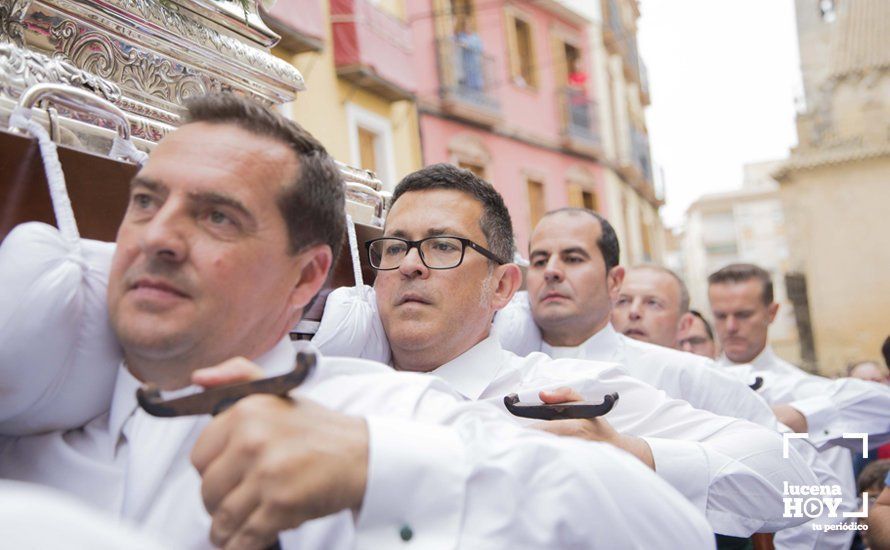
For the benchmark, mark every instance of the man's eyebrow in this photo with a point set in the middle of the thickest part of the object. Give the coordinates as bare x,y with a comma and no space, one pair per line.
150,184
538,252
575,250
210,198
432,232
436,231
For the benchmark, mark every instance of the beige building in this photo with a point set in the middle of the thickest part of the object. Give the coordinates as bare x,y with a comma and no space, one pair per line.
673,250
744,225
835,186
619,75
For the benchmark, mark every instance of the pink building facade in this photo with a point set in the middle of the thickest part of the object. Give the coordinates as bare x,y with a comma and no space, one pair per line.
503,90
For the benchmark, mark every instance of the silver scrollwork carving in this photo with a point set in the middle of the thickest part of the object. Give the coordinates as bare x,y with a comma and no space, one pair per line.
20,69
148,131
169,18
150,74
12,12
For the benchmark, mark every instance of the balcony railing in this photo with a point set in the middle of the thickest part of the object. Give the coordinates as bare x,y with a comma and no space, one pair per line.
373,49
614,31
466,76
579,116
641,155
644,84
631,59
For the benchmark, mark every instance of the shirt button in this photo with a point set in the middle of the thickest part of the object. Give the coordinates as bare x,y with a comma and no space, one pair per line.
406,533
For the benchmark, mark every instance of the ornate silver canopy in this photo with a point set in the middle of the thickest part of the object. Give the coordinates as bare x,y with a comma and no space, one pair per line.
145,56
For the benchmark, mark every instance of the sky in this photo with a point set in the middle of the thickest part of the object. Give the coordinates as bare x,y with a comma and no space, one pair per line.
723,79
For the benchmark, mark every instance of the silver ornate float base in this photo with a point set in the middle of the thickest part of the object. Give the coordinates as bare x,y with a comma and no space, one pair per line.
145,56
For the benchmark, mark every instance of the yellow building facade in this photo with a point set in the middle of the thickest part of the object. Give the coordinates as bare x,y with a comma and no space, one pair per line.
355,57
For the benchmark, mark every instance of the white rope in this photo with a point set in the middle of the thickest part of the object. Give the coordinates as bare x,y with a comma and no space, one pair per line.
55,178
519,260
353,249
122,148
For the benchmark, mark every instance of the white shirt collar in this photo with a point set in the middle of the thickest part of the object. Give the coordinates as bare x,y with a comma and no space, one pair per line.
471,372
281,358
277,360
123,402
602,346
768,362
766,359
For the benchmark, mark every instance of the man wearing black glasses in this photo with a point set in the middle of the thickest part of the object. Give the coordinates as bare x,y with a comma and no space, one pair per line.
431,319
444,269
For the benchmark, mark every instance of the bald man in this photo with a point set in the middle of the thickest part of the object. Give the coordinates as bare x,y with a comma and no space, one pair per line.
652,305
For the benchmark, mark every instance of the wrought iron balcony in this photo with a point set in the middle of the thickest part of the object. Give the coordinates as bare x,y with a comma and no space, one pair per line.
631,60
613,32
644,84
641,155
580,121
466,79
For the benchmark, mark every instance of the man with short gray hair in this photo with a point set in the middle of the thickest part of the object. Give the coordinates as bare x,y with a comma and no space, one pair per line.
652,305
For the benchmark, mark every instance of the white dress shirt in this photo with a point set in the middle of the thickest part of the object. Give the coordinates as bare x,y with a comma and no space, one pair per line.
831,407
696,379
731,469
457,474
681,375
33,516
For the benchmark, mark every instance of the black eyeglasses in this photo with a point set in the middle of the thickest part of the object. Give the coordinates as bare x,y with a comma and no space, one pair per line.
443,252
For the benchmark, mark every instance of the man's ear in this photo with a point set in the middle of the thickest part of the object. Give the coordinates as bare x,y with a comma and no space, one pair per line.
772,309
508,279
685,322
312,267
614,279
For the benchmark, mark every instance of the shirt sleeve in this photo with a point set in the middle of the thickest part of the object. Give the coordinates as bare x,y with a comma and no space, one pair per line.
821,532
846,405
683,464
709,389
738,473
463,475
25,507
